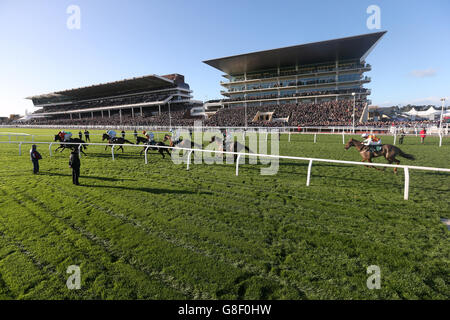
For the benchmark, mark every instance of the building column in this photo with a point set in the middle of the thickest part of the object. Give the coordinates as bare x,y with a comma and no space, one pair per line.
79,115
92,115
142,115
170,117
109,113
120,115
102,114
70,116
132,113
336,79
159,106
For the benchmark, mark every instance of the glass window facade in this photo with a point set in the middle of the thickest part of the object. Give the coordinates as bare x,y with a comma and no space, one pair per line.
299,82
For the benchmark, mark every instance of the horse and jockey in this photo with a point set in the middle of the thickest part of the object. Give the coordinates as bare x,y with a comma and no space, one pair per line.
150,144
66,136
110,135
372,147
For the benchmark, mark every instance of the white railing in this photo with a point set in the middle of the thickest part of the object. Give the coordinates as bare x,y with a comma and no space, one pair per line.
265,131
239,154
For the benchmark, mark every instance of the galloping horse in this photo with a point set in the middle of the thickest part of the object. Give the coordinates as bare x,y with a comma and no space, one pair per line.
181,143
115,140
63,146
236,147
154,146
387,150
141,139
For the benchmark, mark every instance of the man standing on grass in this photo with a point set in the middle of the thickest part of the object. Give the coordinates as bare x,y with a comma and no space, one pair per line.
423,134
35,157
74,163
80,135
86,135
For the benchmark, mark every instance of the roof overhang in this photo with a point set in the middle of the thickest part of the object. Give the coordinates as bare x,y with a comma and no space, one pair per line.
150,82
356,47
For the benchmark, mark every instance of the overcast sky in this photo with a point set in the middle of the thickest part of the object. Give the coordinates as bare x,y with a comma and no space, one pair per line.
123,39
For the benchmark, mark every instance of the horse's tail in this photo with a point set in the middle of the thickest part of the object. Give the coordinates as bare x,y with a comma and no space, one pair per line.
405,155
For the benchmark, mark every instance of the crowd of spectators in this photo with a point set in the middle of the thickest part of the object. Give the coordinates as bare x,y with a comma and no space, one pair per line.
179,116
301,71
300,94
312,114
105,102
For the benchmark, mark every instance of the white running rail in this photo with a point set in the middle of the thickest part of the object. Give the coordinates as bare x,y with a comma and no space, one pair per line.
239,154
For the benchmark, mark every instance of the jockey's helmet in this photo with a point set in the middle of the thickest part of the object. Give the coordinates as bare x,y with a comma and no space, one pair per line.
364,135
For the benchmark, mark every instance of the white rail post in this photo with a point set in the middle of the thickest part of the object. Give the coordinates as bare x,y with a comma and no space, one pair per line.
145,156
289,135
315,137
395,138
79,150
440,139
50,149
20,148
406,194
237,164
343,137
9,138
308,177
188,159
112,152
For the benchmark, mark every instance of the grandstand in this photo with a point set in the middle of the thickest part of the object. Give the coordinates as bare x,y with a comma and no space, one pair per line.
152,98
315,84
308,73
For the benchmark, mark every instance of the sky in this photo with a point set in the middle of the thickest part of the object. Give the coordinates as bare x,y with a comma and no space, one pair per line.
116,40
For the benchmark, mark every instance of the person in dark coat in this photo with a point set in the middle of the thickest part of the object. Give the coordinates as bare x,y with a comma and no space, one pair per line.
80,134
35,157
86,136
135,134
74,163
123,134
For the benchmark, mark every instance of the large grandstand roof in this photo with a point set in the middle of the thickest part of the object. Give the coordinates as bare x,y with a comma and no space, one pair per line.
145,83
356,47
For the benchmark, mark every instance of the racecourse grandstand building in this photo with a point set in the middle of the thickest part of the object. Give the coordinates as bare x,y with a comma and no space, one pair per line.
143,97
310,73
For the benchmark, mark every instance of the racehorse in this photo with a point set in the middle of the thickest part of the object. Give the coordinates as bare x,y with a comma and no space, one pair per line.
115,140
152,145
236,147
141,139
63,146
387,150
181,143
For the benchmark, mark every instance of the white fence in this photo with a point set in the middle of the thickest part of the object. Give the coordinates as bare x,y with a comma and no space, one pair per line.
242,154
266,131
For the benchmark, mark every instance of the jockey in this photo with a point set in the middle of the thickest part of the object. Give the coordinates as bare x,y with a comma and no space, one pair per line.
371,140
111,134
66,135
149,135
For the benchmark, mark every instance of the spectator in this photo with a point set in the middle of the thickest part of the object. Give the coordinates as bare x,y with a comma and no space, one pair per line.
402,136
74,163
123,134
80,135
423,134
35,157
86,135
